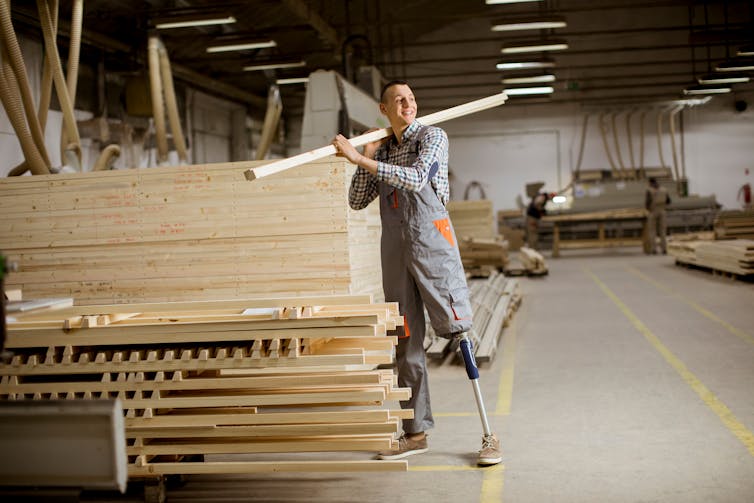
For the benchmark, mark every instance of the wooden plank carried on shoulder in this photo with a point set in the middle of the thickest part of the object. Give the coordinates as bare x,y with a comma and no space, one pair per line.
358,141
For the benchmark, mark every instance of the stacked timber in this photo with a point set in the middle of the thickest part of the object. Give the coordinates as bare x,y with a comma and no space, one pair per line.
734,224
189,233
480,256
472,219
493,302
533,261
199,379
734,256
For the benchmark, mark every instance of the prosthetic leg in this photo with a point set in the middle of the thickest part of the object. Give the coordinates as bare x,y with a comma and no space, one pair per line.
490,453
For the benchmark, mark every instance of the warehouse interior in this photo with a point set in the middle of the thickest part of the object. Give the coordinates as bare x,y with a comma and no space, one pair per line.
193,312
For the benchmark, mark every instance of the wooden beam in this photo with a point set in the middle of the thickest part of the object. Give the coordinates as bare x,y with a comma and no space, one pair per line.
428,120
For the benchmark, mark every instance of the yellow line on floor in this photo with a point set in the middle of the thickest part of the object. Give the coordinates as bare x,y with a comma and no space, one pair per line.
492,485
505,388
704,312
449,468
718,407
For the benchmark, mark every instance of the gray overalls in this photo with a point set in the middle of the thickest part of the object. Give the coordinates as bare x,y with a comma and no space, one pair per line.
421,266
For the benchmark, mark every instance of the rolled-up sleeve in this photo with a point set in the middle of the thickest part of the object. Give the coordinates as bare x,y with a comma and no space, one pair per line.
433,151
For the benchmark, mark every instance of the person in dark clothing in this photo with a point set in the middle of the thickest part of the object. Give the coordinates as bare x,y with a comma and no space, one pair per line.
534,213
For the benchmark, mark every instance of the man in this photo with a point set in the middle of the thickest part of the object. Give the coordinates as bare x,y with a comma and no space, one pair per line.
421,265
655,202
534,213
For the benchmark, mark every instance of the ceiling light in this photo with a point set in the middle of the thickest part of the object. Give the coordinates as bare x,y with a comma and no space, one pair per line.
747,50
731,78
530,79
736,66
271,65
526,91
186,21
296,80
559,199
525,65
528,24
534,46
242,45
695,90
496,2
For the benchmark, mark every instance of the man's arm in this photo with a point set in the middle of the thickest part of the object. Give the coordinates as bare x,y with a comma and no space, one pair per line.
432,149
364,188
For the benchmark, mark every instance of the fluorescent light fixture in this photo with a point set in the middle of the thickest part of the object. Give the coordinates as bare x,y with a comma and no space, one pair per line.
697,90
530,79
733,78
534,46
295,80
525,65
528,24
747,50
736,66
497,2
242,45
559,199
271,65
527,91
186,21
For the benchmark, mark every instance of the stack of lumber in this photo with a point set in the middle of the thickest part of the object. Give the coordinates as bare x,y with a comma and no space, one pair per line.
733,256
472,219
197,232
734,224
222,378
527,262
478,253
493,302
533,261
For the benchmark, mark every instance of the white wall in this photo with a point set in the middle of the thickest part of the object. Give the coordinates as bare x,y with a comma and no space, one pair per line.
507,147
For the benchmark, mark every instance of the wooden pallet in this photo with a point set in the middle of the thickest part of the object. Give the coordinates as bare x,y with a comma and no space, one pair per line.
235,377
731,256
732,224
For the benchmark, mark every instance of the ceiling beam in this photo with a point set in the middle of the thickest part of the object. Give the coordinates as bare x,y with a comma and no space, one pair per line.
302,10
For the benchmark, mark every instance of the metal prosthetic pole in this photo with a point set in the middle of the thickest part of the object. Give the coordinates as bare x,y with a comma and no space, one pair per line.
473,372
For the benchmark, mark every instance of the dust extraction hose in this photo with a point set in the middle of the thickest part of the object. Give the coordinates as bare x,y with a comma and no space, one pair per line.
172,104
69,121
108,156
158,106
72,69
18,69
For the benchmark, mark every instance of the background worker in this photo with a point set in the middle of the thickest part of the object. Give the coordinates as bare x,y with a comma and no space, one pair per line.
421,265
534,213
656,200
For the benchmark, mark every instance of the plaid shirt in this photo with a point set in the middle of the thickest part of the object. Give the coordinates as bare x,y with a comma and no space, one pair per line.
393,168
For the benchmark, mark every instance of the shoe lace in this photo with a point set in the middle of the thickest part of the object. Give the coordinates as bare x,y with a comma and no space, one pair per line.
488,442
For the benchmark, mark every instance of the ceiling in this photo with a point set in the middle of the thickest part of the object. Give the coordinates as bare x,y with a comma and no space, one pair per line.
618,50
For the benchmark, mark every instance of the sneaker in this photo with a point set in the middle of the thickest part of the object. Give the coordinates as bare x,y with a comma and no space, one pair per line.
406,447
490,453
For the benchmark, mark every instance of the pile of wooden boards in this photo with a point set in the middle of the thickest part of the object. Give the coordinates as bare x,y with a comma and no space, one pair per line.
198,379
472,219
482,251
493,301
734,224
734,256
482,256
527,262
189,233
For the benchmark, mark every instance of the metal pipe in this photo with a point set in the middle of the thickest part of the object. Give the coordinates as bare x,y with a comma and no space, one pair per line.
671,119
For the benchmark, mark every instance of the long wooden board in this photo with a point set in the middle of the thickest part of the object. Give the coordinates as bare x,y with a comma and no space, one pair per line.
358,141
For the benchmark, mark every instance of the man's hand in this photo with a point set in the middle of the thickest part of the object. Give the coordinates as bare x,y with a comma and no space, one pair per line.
343,148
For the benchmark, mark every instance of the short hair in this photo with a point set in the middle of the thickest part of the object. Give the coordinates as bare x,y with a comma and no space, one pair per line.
653,181
389,85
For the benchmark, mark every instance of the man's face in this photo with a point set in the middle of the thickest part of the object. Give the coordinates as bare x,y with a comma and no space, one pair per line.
399,105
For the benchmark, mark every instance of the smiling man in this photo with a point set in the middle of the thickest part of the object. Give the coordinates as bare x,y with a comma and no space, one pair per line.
421,265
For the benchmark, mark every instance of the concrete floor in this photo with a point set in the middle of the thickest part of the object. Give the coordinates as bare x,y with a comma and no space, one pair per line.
622,379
